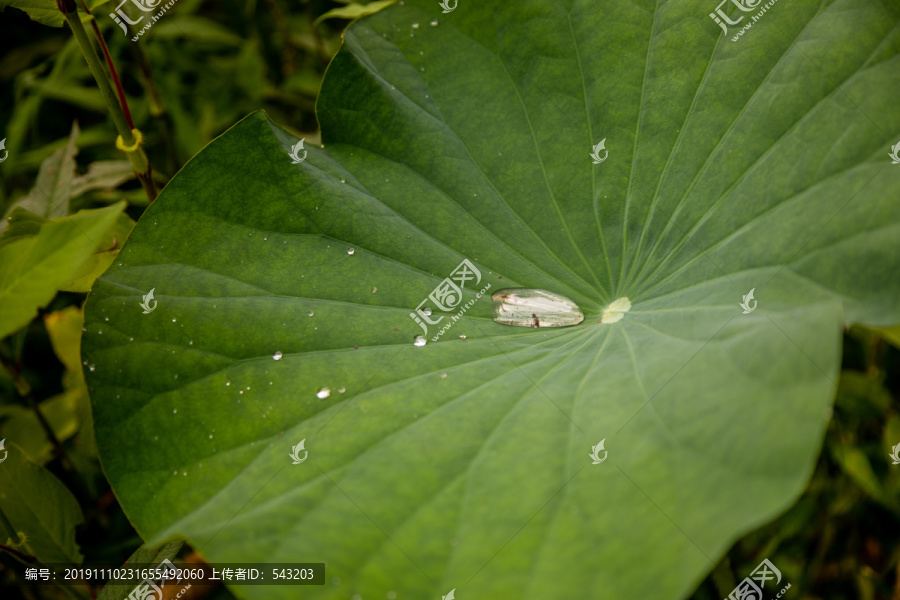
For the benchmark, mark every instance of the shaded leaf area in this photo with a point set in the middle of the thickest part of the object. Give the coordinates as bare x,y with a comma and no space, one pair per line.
42,512
464,463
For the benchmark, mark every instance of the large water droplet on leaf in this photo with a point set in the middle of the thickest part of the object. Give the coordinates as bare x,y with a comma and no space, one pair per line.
527,307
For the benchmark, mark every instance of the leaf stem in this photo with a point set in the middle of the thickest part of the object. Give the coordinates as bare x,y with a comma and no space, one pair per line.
112,68
130,139
26,558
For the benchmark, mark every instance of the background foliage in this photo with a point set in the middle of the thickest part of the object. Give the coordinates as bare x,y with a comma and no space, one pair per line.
206,66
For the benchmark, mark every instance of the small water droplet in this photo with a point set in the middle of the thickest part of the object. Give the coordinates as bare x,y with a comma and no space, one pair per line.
323,393
343,180
443,376
106,318
191,343
350,251
433,23
174,410
227,383
184,473
173,320
173,472
374,289
418,341
462,337
341,390
210,436
310,313
415,25
426,311
91,368
277,355
240,391
265,239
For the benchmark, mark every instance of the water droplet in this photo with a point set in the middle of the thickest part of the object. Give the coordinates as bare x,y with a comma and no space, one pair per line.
615,311
106,318
173,472
277,355
527,307
433,23
443,376
343,180
184,473
419,341
91,368
374,289
462,337
323,393
240,391
210,436
415,25
227,383
426,311
341,390
350,251
174,410
310,313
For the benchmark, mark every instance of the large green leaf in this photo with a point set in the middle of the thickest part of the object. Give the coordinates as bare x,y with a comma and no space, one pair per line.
759,164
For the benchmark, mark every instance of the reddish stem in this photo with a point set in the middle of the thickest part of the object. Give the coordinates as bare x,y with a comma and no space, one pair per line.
112,68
